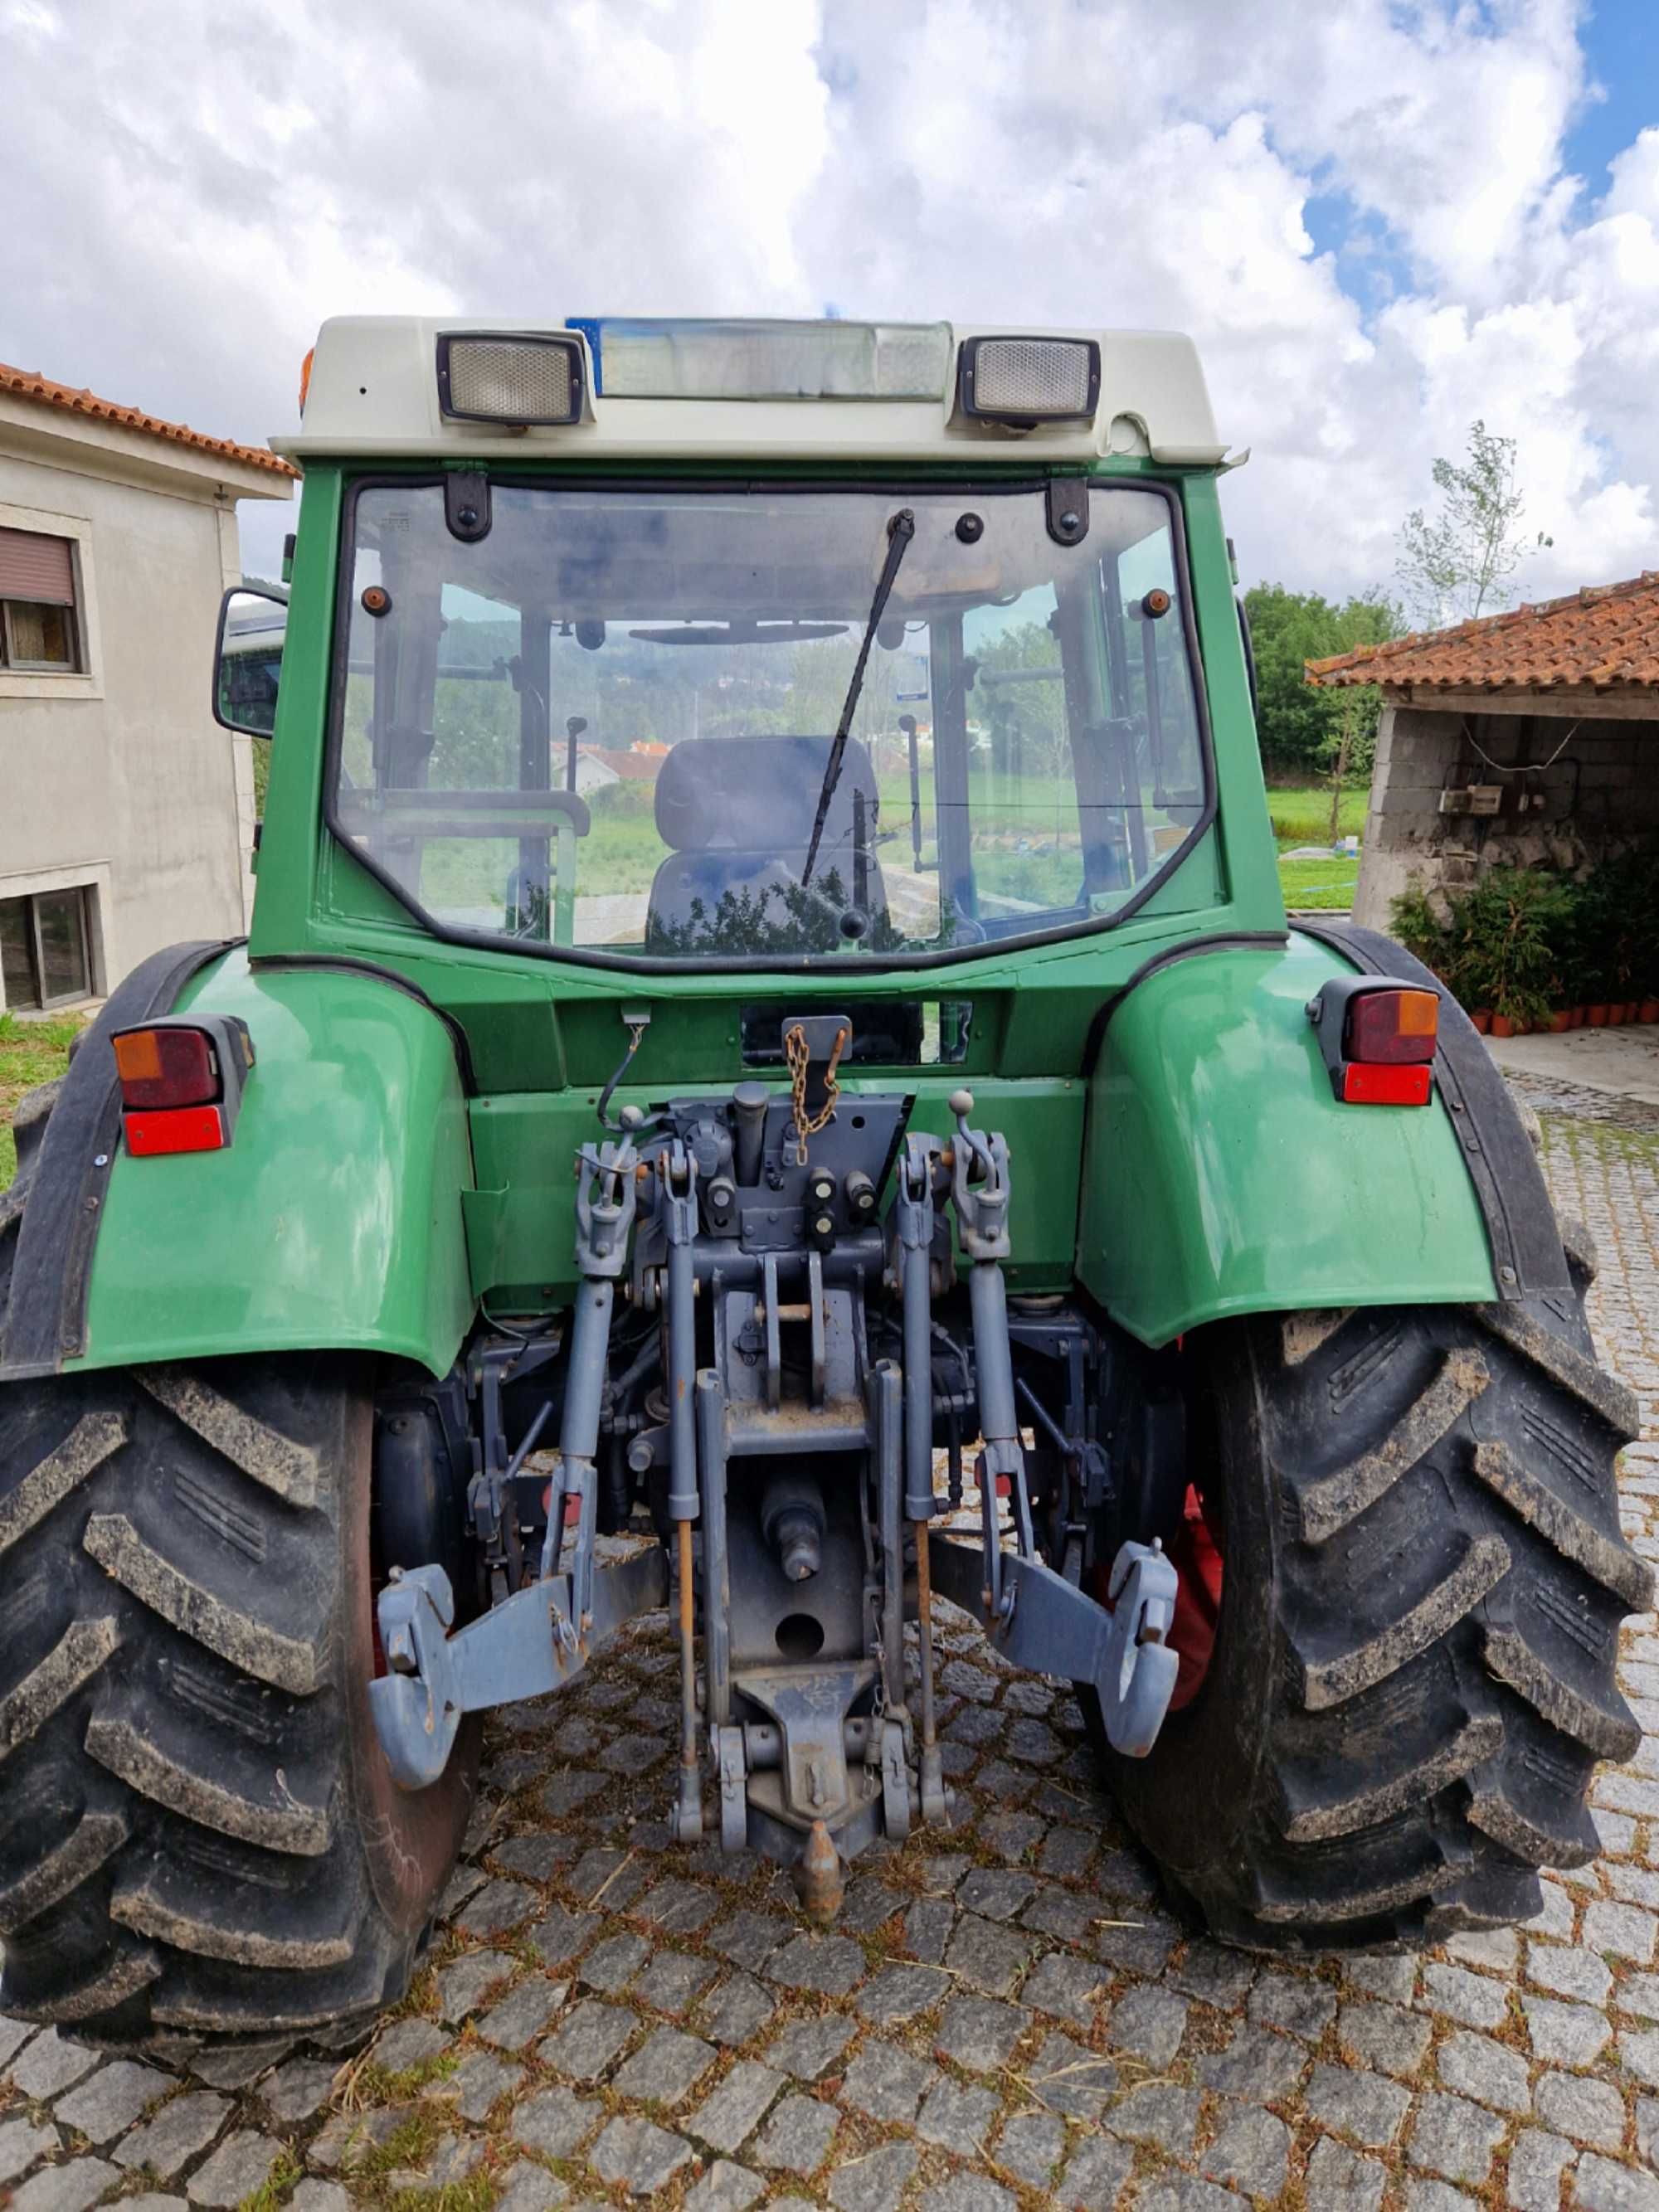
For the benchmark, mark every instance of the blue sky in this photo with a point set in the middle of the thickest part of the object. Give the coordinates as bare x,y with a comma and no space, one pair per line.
1362,209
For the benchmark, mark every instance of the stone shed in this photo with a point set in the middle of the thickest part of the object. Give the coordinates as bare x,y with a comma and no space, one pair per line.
1529,737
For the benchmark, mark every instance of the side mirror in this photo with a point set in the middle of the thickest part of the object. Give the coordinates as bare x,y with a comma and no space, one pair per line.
248,660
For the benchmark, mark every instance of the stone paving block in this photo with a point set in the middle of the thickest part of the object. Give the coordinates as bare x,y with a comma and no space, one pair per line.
797,2136
957,2117
1149,2023
1425,2196
1069,1988
1452,2138
537,1856
314,2195
978,2033
410,2043
559,1937
726,2118
638,2156
240,2164
1568,1971
1639,2051
667,2066
874,2182
1067,1917
158,2201
887,2083
737,2010
22,2143
1565,2034
613,1962
1392,1980
1477,2067
901,1993
1638,1994
569,1793
14,2034
109,2101
462,1986
1031,2147
522,2014
1251,2152
673,1980
69,2188
996,1892
1011,1835
1303,2008
1589,2112
831,1965
928,1926
1339,2176
178,2131
1215,1976
478,2083
1179,2193
49,2064
1537,2162
748,1938
683,1908
555,2121
1257,2063
1353,2103
528,2187
1625,1930
808,2049
1142,1943
1066,1852
590,2040
1067,2078
1094,2175
1497,1948
1556,1915
499,1905
1156,2112
987,1957
1599,2185
724,2188
1473,2000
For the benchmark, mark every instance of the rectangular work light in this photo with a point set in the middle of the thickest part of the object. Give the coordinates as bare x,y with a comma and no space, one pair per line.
181,1083
486,376
1023,381
637,358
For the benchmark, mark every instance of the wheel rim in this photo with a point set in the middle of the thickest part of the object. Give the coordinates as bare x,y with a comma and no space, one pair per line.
1200,1569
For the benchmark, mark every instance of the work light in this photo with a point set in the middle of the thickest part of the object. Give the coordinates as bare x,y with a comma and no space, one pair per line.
483,377
1025,380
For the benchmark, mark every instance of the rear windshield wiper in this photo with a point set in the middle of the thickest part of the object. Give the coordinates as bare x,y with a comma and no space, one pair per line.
900,531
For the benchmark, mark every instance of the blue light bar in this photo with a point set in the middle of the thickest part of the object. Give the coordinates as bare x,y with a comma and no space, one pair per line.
635,358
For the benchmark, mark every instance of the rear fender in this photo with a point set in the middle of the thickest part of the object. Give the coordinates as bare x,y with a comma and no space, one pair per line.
332,1219
1220,1175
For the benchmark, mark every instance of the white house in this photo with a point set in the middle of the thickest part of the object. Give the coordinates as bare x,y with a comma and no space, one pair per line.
126,812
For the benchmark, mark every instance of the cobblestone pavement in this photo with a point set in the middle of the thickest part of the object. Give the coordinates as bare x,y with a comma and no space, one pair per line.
1004,2016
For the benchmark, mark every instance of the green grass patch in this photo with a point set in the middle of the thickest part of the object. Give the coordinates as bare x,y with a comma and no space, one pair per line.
1318,883
1302,814
31,1052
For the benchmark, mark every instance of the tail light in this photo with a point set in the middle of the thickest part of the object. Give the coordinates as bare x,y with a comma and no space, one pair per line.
181,1082
1378,1039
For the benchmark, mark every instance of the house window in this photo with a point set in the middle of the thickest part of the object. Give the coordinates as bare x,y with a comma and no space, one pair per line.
39,632
45,948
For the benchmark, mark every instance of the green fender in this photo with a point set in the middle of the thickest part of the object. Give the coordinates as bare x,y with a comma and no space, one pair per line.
1221,1177
334,1216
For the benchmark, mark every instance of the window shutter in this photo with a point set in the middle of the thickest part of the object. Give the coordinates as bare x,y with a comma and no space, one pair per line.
35,567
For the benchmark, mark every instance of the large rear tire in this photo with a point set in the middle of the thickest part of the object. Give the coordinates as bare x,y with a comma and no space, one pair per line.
1413,1671
202,1837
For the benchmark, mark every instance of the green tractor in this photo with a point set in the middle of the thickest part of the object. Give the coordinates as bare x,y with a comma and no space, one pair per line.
769,1029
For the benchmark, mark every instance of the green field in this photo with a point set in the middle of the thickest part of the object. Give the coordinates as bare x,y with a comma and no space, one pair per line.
30,1053
1318,883
1302,814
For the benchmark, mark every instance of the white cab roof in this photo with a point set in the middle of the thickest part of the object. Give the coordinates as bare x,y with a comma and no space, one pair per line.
373,392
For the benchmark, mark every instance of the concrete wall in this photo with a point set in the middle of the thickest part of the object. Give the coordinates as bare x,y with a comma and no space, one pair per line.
1600,792
121,779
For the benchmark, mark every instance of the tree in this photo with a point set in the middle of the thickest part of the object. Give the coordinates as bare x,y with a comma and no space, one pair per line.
1294,722
1457,562
1348,753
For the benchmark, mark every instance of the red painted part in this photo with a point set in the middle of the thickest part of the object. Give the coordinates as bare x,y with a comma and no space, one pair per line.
573,1506
1199,1569
152,1135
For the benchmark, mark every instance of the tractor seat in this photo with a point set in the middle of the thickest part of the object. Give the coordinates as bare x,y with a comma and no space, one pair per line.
737,813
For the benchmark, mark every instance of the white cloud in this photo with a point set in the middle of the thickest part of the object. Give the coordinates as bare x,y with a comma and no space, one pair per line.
201,187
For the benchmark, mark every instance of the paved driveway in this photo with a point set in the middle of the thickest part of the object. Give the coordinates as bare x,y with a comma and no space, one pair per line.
1004,2016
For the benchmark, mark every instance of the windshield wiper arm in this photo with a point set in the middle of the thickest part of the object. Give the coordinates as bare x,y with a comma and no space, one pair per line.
900,531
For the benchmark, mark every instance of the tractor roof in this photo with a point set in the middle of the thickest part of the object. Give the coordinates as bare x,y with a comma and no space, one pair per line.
818,391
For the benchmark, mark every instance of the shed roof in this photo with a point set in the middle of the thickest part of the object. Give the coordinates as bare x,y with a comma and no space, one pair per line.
29,384
1605,636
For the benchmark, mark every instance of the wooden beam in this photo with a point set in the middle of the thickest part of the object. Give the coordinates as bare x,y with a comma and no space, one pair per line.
1628,703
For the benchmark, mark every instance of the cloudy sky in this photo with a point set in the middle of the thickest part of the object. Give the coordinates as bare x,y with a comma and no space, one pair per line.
1380,218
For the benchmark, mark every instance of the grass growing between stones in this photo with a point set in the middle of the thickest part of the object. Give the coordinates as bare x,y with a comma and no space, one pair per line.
31,1052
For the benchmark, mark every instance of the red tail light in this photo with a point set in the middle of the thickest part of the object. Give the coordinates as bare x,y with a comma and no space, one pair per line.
165,1067
1393,1028
181,1081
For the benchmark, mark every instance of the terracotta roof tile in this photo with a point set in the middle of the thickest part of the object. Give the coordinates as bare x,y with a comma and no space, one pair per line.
1605,636
25,384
